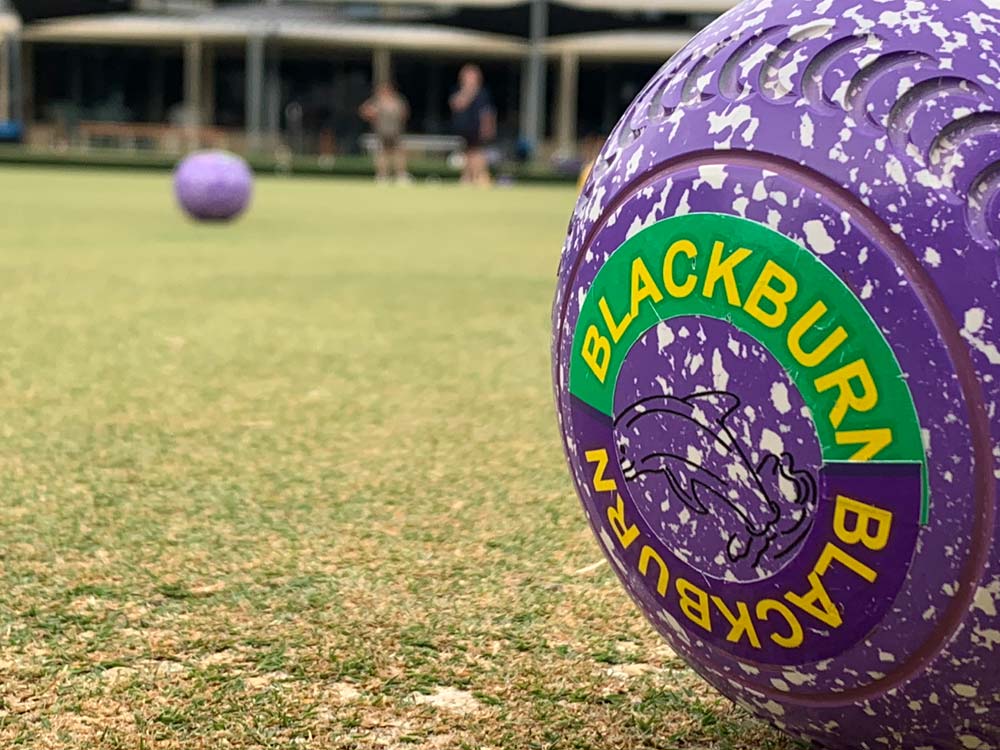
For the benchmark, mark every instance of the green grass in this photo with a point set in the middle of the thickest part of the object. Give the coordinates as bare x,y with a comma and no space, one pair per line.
296,482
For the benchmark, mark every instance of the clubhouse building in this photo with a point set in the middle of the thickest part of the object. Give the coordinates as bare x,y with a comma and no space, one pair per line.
172,74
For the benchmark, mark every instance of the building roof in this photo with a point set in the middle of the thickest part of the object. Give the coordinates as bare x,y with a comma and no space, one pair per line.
133,28
312,25
222,27
9,23
667,6
403,38
630,46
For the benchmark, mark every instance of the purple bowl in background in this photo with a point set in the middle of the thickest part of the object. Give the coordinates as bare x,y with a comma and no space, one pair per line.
213,185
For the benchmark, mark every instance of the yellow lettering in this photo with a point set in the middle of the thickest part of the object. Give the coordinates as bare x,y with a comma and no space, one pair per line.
647,554
831,552
848,398
625,532
795,636
741,622
600,457
817,602
597,353
830,344
872,442
679,291
719,269
778,296
694,604
615,328
863,532
643,286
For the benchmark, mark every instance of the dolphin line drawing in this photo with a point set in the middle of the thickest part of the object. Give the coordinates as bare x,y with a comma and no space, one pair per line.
713,472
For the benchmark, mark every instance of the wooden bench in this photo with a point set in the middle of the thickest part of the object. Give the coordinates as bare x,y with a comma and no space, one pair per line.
418,144
153,136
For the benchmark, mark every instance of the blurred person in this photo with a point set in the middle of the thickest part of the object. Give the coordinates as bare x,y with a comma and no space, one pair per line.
476,122
327,146
387,111
295,117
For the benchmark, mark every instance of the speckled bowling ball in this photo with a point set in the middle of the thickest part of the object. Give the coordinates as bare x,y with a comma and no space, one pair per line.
776,364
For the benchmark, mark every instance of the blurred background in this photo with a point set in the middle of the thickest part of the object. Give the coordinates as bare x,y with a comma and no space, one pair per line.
282,80
296,481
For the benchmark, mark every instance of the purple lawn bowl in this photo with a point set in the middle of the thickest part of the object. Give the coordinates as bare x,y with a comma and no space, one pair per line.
777,364
213,185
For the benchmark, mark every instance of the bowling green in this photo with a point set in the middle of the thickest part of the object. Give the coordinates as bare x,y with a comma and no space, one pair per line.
297,482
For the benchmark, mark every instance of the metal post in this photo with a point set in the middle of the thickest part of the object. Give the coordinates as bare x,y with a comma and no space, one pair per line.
16,84
254,90
192,92
569,73
271,70
272,95
25,102
208,85
381,66
533,92
5,43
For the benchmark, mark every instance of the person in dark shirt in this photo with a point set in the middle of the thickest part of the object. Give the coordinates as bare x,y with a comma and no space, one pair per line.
475,121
